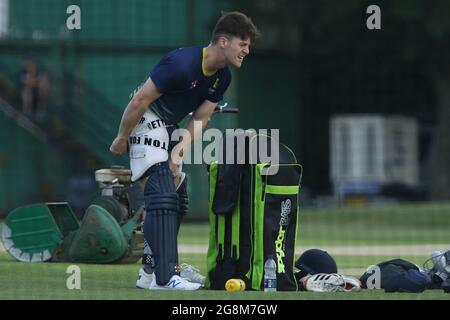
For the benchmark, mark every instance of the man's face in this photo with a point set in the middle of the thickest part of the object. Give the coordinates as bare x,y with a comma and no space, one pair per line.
235,50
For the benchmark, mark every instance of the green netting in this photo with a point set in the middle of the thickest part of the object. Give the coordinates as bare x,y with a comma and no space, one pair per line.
93,71
315,59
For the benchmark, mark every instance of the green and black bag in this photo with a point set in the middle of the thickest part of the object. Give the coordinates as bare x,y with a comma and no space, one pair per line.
253,214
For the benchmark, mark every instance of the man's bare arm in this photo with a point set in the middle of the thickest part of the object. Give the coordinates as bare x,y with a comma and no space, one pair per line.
200,118
132,114
203,113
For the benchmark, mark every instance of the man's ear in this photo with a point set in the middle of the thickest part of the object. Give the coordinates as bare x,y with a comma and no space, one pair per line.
223,42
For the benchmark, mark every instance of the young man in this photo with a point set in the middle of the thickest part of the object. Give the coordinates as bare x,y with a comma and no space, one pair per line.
186,80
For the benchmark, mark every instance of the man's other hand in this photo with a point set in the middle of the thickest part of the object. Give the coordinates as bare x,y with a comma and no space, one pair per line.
119,146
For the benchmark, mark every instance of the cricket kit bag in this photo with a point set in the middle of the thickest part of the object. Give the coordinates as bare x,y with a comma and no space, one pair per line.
253,214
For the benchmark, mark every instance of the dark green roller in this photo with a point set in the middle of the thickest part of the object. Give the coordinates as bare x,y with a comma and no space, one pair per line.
50,232
98,240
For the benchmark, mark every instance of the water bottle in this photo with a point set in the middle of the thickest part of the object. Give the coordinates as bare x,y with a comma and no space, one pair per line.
270,275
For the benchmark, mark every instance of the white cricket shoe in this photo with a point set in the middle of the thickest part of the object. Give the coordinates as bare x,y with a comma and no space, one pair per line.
333,282
175,283
144,279
191,274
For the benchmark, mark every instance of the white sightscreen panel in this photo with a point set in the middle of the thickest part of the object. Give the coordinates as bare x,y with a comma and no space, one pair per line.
357,148
402,151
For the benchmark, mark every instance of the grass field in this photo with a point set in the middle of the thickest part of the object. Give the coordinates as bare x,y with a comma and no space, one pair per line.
399,229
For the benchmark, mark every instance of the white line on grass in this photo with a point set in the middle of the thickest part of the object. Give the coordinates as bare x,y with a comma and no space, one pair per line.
409,250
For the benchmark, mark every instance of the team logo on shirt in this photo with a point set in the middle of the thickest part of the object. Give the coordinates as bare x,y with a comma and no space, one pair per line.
193,84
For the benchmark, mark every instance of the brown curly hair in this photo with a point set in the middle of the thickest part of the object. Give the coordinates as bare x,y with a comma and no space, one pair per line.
235,24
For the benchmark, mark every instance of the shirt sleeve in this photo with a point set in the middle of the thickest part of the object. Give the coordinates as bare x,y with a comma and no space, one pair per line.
167,75
220,86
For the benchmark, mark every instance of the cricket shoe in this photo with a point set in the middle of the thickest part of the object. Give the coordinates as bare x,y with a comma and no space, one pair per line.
175,283
191,274
333,282
144,279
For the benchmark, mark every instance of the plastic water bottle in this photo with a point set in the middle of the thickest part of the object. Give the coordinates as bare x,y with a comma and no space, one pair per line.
270,275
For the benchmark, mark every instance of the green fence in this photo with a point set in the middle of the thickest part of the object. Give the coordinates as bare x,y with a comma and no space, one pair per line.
93,71
105,60
30,169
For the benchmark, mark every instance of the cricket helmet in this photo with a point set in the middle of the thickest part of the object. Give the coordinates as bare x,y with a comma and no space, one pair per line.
315,261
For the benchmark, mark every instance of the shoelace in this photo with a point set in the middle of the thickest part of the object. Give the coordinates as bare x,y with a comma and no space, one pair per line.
323,281
342,283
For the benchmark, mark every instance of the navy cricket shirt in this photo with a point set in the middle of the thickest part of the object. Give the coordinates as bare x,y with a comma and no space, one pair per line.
180,77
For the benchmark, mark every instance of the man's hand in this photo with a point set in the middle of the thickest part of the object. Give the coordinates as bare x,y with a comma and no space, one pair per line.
173,167
119,146
133,113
